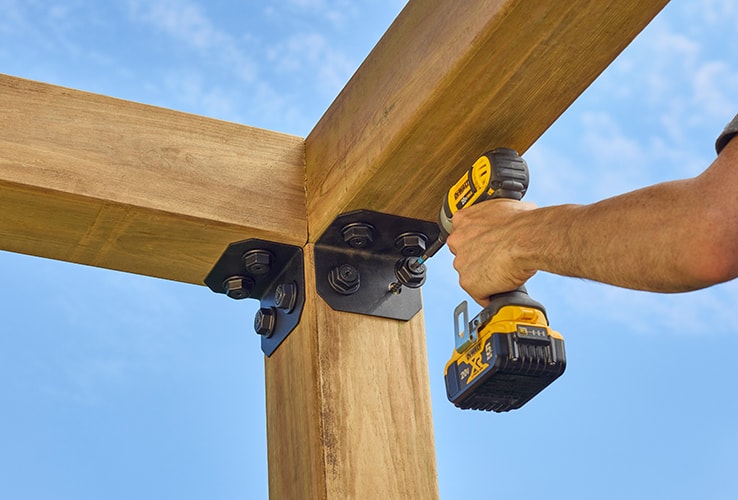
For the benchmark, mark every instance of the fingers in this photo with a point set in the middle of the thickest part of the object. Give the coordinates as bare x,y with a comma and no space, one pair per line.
483,241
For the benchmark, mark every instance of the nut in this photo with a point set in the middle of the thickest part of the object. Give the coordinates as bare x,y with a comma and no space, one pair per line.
411,278
344,279
285,296
265,321
411,244
358,235
238,287
257,262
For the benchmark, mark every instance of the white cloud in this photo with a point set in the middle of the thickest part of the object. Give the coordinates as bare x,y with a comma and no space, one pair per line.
649,313
186,22
713,86
682,75
310,56
337,12
714,12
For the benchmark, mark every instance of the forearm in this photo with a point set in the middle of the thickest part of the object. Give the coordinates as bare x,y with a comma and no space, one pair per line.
647,239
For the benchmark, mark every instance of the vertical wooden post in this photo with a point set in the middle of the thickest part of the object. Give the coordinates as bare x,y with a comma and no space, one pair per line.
348,407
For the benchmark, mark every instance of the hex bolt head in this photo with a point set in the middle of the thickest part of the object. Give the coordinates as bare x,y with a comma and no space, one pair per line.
344,279
238,287
411,244
358,235
285,296
411,278
257,262
265,321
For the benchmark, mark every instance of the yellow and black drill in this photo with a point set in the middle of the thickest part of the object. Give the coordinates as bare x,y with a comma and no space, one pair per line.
507,354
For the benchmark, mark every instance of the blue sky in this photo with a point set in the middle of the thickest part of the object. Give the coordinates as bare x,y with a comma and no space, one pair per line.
120,386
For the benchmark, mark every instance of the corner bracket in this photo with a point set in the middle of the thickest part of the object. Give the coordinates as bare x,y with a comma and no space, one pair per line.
356,258
270,272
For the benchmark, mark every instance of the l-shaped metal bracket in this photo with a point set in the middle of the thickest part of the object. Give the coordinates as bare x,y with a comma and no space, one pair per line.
356,259
272,273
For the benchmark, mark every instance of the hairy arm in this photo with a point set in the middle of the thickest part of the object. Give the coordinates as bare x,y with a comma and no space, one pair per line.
670,237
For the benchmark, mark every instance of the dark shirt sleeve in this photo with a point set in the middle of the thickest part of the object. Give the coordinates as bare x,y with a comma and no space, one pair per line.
730,131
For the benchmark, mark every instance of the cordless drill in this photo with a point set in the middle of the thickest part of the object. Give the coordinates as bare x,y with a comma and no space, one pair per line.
507,354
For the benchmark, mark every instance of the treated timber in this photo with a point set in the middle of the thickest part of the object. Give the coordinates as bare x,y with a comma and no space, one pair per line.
348,407
100,181
448,81
95,180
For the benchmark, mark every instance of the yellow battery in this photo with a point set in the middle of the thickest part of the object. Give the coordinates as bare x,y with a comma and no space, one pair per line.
505,356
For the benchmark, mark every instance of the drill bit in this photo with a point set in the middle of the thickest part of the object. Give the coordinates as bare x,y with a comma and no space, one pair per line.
430,252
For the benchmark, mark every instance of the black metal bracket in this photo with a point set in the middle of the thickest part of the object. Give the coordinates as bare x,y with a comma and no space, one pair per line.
356,258
269,272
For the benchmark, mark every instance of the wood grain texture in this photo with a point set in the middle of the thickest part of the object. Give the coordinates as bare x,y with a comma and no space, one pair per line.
110,183
449,81
99,181
348,407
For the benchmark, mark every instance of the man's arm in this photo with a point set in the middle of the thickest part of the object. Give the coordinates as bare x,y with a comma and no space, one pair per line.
670,237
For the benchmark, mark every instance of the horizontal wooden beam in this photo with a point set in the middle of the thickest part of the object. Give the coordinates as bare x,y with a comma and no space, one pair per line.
95,180
448,81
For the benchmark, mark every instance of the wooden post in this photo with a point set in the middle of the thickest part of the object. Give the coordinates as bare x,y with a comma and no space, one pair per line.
348,407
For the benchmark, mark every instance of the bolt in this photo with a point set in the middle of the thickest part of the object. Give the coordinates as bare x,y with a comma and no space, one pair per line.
411,244
358,235
238,287
412,278
344,279
265,321
257,262
285,296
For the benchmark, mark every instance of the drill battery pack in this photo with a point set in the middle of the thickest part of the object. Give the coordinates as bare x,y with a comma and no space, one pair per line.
505,356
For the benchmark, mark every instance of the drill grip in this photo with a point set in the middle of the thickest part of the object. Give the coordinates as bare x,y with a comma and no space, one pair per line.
509,177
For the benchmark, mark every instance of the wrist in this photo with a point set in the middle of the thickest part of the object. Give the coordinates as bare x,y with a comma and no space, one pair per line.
547,240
